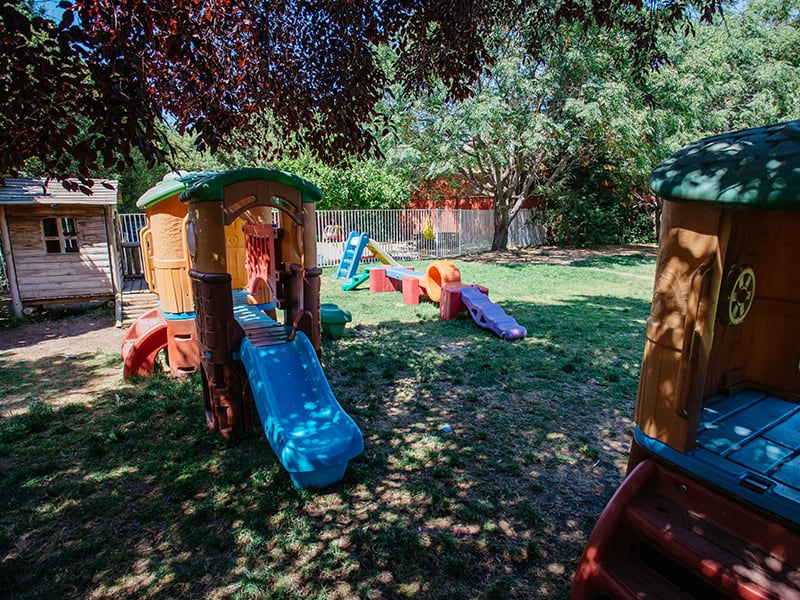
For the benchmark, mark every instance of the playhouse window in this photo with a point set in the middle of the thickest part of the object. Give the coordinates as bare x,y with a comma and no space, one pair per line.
60,235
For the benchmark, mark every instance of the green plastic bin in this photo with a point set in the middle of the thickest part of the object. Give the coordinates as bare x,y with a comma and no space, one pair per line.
333,320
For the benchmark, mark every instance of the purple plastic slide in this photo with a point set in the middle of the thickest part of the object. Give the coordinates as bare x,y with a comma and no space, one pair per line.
490,316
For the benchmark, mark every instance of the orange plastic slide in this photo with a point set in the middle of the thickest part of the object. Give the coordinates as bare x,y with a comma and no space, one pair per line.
142,343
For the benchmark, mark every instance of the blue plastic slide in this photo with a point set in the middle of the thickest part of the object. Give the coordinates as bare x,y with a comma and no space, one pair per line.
312,436
353,249
489,315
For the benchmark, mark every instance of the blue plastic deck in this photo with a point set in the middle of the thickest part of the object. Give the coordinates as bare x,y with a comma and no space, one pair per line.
786,433
719,406
789,474
726,434
401,273
310,433
747,437
760,455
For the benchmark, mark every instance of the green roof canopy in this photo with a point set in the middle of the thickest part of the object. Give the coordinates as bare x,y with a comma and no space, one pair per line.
210,188
168,187
758,168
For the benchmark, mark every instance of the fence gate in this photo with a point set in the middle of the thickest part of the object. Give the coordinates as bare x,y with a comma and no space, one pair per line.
129,226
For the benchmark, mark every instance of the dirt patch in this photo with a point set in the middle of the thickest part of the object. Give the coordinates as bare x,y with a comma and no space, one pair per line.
92,332
78,354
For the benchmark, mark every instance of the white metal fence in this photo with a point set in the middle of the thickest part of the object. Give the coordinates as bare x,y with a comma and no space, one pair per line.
406,234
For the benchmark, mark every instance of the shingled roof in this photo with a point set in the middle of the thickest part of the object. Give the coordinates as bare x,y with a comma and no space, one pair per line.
757,168
25,190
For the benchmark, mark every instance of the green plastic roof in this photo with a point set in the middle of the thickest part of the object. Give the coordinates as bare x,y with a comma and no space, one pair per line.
757,168
210,188
168,187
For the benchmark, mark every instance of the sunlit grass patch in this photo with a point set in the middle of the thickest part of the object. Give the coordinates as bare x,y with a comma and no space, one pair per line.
486,462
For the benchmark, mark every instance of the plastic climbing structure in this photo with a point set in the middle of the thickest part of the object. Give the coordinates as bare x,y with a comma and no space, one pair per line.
710,507
225,271
440,283
354,247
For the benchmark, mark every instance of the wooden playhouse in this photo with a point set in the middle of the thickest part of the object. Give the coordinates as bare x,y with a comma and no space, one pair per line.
59,246
710,507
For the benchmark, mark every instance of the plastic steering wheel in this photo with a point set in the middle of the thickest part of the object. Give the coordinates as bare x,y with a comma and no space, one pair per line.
738,291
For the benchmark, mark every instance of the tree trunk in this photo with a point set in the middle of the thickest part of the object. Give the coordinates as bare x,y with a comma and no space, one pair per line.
500,238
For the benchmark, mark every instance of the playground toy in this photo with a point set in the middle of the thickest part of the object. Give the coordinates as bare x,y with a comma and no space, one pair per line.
165,260
223,269
354,248
333,320
440,283
710,507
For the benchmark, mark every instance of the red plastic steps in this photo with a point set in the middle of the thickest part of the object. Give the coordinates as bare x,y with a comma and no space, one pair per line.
664,535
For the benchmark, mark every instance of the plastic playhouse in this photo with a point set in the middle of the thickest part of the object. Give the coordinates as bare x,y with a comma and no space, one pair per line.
710,507
227,253
440,283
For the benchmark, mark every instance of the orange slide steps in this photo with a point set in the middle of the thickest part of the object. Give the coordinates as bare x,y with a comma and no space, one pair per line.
150,334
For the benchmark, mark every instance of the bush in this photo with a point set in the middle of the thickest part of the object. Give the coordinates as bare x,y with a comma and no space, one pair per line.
583,216
361,184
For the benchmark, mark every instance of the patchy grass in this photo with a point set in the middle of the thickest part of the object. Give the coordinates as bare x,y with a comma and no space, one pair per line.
486,462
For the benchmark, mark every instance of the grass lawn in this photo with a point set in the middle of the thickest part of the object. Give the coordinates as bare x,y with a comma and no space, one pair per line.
486,462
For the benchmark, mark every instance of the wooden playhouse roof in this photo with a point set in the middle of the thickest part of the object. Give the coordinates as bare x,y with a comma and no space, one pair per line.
211,188
758,168
171,184
34,191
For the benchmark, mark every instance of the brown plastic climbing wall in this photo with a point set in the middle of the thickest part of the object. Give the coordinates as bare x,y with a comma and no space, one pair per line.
219,335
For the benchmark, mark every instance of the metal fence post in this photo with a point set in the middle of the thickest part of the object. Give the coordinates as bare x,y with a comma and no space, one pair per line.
436,230
460,230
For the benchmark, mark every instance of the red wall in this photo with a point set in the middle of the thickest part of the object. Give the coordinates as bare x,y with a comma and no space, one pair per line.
457,202
452,193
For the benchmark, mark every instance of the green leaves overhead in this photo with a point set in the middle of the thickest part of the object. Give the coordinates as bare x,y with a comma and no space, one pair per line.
742,74
89,91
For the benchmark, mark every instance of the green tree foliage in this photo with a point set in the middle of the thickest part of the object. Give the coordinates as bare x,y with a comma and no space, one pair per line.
352,183
139,177
574,132
529,127
84,93
356,184
741,73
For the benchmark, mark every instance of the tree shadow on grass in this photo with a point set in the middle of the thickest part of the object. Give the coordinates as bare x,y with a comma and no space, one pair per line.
51,381
614,261
486,464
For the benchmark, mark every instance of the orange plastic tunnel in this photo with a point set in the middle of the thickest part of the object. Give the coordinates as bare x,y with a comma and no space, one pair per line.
439,274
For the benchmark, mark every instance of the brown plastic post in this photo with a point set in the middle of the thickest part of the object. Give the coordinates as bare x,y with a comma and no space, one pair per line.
292,279
218,335
681,326
311,303
311,281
